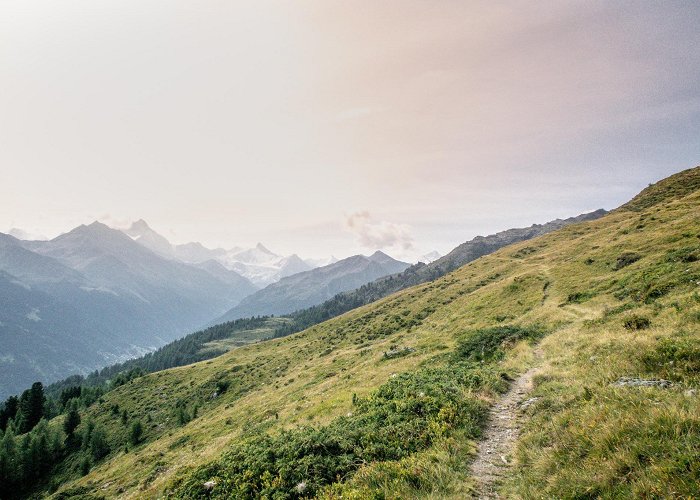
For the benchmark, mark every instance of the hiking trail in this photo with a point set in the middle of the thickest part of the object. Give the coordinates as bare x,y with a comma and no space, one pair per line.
493,457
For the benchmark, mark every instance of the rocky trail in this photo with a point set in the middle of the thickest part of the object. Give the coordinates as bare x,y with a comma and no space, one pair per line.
495,449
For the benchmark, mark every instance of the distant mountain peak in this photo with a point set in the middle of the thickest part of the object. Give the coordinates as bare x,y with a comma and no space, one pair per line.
380,257
139,225
262,248
94,228
142,233
313,286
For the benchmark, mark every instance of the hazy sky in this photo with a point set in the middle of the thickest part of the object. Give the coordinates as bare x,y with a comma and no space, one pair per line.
336,127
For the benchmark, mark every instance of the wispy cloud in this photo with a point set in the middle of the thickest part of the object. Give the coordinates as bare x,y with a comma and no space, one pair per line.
380,234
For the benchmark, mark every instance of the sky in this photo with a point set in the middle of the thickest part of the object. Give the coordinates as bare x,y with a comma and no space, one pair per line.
339,127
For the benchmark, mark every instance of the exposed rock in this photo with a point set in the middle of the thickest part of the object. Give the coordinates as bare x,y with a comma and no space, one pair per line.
640,382
528,402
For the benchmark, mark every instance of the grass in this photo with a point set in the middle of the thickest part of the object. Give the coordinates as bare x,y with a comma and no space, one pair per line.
584,438
244,337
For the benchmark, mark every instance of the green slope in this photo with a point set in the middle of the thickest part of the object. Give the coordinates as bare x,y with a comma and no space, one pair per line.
616,297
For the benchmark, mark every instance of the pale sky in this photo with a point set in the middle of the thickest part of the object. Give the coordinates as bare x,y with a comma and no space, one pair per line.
338,127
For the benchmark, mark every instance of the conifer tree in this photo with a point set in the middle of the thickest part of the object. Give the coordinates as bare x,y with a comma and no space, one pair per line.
71,422
136,432
31,407
98,444
8,412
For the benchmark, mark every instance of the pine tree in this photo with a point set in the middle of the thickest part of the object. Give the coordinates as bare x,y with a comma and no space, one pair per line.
98,444
136,432
24,458
70,423
39,450
8,412
87,433
8,463
31,407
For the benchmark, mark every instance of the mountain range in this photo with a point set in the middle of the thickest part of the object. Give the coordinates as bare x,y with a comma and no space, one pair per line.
310,288
258,264
93,296
96,295
222,337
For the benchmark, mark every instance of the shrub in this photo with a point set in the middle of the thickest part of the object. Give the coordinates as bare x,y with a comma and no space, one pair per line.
686,255
136,432
405,415
579,297
626,259
675,358
636,322
486,343
222,385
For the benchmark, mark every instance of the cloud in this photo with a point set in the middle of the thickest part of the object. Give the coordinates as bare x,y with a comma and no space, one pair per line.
382,234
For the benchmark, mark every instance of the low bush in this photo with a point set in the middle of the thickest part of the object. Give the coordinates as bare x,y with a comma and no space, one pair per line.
626,259
636,322
579,297
405,415
685,255
675,358
487,343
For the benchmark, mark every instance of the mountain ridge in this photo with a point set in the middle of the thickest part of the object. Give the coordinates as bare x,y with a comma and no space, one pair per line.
312,287
123,300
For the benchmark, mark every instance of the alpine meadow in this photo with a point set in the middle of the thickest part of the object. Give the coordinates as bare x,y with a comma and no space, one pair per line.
480,275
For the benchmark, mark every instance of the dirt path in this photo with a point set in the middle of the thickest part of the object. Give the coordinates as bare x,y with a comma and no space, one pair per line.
494,455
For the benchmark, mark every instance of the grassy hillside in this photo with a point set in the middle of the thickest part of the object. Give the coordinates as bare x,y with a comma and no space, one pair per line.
612,298
225,336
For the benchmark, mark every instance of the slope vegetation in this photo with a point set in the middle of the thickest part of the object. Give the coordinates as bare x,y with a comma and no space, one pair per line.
388,401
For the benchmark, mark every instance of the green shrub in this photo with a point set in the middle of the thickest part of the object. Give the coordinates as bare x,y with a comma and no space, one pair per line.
579,297
486,343
136,432
675,358
405,415
685,255
626,259
636,322
222,385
